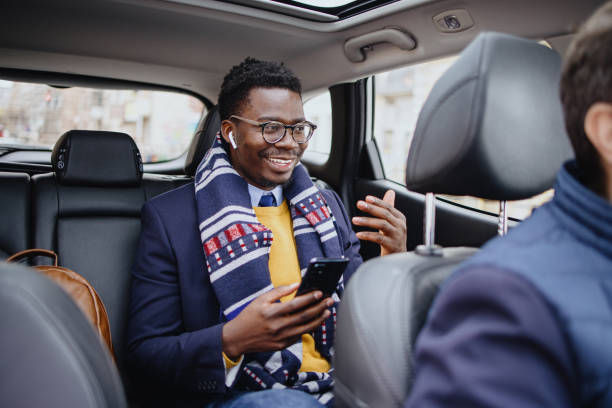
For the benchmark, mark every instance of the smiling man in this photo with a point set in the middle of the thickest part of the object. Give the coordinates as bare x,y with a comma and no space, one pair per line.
214,314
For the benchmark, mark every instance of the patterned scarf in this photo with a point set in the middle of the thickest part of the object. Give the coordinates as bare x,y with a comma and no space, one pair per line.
236,248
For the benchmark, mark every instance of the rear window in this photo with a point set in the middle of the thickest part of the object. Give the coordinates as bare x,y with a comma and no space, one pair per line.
35,115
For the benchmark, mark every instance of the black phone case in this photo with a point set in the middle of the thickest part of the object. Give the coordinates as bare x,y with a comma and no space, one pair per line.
322,274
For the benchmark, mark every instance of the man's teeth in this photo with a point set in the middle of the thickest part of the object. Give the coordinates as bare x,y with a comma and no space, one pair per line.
280,161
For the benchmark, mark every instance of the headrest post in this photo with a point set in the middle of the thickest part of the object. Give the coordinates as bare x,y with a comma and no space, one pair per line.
502,221
429,228
429,224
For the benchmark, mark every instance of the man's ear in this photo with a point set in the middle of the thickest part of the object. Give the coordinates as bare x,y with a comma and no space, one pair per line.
226,128
598,128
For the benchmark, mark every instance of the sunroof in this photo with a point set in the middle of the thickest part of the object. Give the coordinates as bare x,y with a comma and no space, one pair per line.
324,3
338,8
316,10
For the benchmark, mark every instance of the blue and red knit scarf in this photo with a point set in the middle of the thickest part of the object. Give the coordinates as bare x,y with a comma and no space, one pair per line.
236,248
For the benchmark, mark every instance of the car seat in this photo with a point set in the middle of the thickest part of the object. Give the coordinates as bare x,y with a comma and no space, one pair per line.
492,127
51,356
202,140
88,212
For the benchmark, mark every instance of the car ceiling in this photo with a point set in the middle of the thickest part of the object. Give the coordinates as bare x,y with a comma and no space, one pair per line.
191,44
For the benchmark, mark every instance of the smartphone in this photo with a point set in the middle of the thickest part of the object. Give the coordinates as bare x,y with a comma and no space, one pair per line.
322,274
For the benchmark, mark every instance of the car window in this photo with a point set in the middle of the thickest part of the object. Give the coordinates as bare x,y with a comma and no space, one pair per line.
399,97
519,209
318,110
162,123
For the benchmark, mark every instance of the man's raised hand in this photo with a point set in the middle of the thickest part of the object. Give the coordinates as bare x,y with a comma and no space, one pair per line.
389,221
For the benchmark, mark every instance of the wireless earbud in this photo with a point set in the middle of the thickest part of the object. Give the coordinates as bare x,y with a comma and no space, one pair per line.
232,141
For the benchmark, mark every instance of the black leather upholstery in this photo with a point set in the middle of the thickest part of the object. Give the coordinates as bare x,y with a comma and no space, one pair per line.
14,213
94,231
50,354
96,158
492,126
202,140
94,225
494,112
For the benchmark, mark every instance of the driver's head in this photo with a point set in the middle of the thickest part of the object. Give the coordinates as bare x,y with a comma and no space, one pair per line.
586,95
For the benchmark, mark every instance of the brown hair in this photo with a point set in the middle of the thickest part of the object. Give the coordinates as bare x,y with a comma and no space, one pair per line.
587,79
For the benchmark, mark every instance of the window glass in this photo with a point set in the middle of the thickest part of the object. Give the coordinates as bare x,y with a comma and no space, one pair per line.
162,123
400,95
318,111
520,209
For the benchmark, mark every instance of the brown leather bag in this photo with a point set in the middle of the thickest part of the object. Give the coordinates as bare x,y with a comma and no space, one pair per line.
78,288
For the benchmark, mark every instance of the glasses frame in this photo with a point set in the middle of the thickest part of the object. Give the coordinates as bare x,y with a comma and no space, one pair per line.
262,125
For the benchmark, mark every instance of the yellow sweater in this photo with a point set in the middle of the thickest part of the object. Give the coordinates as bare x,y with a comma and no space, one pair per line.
285,270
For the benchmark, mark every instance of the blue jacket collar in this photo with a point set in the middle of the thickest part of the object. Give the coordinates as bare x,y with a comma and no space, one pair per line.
581,210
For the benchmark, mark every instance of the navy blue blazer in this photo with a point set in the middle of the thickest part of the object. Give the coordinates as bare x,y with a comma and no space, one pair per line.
174,329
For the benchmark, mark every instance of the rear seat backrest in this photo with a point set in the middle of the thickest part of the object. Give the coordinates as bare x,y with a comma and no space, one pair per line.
88,211
14,217
202,141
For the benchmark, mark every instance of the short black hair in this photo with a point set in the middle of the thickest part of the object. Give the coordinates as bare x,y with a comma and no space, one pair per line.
587,79
253,73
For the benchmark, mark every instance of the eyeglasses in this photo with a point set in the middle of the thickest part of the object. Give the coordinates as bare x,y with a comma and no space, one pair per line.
273,131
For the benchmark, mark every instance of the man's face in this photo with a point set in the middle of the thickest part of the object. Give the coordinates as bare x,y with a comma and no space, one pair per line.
260,163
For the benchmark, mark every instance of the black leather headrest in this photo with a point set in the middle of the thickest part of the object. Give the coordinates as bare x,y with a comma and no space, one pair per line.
202,140
492,126
97,158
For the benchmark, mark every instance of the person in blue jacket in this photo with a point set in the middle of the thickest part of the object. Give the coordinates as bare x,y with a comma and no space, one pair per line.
213,311
527,322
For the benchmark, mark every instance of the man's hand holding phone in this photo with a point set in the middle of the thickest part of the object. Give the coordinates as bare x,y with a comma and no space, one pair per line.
267,325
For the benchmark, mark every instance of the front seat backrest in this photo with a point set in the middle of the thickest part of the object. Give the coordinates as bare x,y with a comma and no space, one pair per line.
50,354
492,127
383,309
